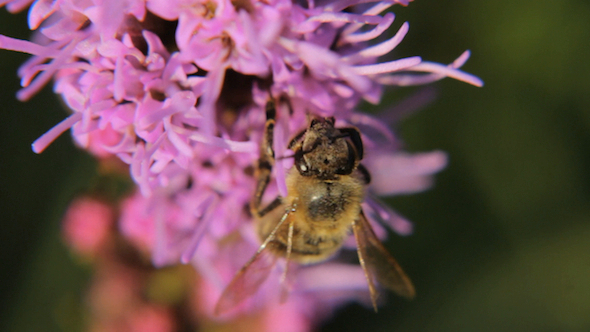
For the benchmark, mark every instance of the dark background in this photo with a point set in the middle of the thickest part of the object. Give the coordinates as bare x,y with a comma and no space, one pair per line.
502,242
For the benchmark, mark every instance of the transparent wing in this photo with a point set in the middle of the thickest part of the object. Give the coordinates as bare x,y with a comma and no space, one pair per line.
251,276
378,264
247,281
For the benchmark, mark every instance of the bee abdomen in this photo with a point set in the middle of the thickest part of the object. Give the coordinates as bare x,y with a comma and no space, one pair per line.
322,241
309,249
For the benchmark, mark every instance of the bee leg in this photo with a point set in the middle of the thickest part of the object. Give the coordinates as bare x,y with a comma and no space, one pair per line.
265,163
283,281
271,206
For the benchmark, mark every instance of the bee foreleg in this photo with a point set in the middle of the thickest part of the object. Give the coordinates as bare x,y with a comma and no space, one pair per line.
283,281
266,159
289,249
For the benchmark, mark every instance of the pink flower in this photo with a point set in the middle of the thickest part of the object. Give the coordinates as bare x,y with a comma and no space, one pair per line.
177,90
87,224
117,301
114,291
151,319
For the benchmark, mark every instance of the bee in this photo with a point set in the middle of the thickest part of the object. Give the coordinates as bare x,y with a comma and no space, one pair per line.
326,187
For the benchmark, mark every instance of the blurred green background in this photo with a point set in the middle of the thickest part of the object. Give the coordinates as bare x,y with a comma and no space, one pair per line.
502,242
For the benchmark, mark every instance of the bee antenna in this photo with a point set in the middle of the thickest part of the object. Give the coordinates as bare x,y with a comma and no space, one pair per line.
316,143
286,157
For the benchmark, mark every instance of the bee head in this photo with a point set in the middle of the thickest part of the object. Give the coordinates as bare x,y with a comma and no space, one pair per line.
325,151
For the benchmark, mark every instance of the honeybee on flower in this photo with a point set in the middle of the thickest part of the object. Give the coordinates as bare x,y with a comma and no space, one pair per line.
177,90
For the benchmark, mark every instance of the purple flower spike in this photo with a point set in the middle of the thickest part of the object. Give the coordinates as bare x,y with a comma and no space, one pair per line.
177,90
